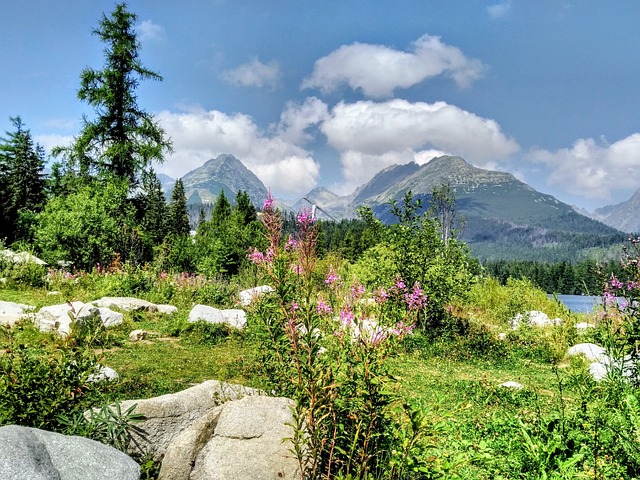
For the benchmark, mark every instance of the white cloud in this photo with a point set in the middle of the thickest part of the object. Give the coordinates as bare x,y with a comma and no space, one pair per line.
593,170
147,30
254,74
296,119
48,141
371,136
200,135
499,10
378,70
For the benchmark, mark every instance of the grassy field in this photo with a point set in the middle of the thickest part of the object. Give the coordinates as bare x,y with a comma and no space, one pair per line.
471,426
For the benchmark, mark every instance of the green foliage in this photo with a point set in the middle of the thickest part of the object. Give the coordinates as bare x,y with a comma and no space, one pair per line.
84,227
152,210
22,273
22,184
123,140
36,386
178,216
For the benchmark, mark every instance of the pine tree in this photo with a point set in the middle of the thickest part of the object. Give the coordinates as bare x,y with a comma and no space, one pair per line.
245,209
178,216
153,204
22,181
221,210
123,140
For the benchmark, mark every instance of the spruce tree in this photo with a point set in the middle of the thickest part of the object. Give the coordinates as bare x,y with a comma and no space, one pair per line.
154,207
178,216
123,140
22,181
221,210
245,209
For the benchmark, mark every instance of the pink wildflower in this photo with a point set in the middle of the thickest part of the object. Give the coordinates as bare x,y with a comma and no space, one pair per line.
357,290
346,317
332,277
291,244
267,206
256,256
323,308
305,217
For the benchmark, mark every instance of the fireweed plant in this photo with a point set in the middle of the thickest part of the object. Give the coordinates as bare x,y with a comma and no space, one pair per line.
324,344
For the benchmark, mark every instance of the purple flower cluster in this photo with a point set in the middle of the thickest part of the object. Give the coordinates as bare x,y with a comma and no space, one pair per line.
332,277
416,298
323,308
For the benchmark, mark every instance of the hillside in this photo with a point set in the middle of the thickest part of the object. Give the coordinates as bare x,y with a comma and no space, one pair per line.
624,216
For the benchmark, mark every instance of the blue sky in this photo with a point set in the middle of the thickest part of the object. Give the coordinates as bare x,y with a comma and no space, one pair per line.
310,93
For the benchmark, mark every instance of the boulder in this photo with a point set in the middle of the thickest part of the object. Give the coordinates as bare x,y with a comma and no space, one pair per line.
248,442
29,453
103,374
10,319
169,415
56,318
22,257
582,327
167,309
591,351
12,308
138,335
127,304
251,294
534,318
233,317
514,385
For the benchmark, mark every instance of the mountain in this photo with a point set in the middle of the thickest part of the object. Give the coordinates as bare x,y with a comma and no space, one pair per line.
623,216
227,173
504,217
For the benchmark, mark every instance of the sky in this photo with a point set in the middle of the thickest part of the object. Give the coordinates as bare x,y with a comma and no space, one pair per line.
327,93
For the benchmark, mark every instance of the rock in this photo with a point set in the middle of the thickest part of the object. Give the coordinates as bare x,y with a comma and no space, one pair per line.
534,318
180,456
234,317
29,453
56,318
138,335
127,304
169,415
167,309
250,295
12,308
591,351
502,336
103,374
598,371
54,292
22,257
10,319
583,326
247,442
514,385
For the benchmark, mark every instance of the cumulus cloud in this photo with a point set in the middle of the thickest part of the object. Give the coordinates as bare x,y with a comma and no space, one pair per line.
199,135
499,10
371,135
378,70
592,169
147,30
296,119
254,74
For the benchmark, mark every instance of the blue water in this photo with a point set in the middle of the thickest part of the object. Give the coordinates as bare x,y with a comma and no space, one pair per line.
580,303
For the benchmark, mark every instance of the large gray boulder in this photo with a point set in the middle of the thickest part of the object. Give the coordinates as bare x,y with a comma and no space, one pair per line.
534,318
233,317
12,308
127,304
248,442
169,415
32,454
252,294
591,351
57,318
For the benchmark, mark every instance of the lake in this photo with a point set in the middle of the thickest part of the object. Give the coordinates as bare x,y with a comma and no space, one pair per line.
579,303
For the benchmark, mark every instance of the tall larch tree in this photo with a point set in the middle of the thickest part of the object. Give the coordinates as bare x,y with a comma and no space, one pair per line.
123,139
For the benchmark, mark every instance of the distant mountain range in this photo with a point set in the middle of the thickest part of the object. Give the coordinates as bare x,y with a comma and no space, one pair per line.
505,218
623,216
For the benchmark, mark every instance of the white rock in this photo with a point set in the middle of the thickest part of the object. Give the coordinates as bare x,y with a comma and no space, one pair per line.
252,294
14,308
55,318
103,373
138,335
233,317
534,318
514,385
167,309
10,319
126,303
54,292
598,371
502,336
592,352
583,326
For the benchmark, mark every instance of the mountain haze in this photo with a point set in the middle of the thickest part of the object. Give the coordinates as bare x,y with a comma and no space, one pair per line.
623,216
